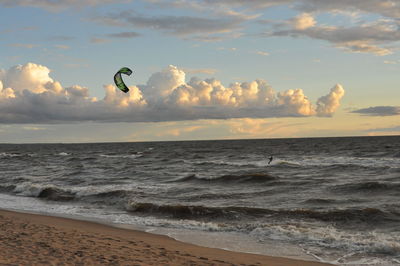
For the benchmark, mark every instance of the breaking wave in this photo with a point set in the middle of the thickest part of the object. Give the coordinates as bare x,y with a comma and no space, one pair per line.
241,178
365,215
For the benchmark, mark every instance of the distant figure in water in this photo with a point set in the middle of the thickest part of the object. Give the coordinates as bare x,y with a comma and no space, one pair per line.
270,159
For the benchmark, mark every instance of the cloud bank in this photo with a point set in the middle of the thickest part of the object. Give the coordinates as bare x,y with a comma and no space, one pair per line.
379,111
29,95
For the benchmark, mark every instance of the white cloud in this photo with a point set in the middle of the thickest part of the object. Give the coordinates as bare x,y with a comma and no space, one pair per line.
29,95
209,71
262,53
303,21
327,105
390,62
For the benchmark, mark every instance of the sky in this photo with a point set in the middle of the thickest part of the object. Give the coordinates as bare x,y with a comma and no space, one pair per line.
202,69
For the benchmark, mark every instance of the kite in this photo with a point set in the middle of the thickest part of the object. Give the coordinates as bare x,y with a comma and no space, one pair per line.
118,79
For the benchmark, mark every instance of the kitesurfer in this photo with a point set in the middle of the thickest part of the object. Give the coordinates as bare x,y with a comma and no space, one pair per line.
270,159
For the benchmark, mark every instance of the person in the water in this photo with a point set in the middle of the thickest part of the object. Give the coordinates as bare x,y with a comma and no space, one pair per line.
270,159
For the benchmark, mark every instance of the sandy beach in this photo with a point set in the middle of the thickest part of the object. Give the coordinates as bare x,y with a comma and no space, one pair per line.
31,239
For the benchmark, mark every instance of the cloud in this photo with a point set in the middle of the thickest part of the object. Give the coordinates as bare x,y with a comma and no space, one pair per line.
366,38
56,5
60,38
129,34
62,46
303,21
32,128
385,129
202,4
98,40
176,132
209,71
199,27
375,30
385,8
262,53
390,62
259,128
379,111
327,105
29,95
24,45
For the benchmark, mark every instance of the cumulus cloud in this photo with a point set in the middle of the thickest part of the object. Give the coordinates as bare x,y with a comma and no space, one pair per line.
29,95
379,111
327,105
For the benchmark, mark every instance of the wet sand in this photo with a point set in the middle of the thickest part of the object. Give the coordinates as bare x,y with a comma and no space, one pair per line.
31,239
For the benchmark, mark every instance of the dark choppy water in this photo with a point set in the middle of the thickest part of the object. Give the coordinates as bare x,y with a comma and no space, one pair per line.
337,199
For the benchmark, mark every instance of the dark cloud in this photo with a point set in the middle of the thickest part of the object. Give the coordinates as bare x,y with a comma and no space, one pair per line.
127,35
366,39
56,5
379,111
175,25
60,38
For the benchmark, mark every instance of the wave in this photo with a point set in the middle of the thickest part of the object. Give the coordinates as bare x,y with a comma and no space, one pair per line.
320,201
64,154
12,155
319,240
185,211
364,215
371,186
7,188
242,178
44,192
56,194
5,154
132,156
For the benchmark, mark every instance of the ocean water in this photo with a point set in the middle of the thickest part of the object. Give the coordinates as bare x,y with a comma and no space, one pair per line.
335,200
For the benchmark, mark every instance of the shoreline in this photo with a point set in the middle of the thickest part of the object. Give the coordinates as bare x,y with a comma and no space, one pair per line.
28,238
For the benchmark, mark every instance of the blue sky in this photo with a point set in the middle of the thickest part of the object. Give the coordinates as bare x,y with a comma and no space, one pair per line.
261,69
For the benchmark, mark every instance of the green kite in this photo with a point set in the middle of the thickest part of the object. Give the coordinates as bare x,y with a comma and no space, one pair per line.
118,79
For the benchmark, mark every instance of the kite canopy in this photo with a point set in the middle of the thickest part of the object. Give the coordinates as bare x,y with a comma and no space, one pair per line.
118,79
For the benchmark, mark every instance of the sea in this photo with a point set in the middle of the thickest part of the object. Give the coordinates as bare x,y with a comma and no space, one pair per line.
334,200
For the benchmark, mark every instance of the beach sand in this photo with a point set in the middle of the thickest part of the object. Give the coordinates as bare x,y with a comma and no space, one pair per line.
31,239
